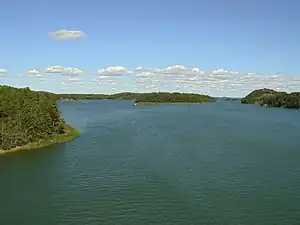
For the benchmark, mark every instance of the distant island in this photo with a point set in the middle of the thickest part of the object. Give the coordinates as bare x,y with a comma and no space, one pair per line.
270,98
175,97
30,120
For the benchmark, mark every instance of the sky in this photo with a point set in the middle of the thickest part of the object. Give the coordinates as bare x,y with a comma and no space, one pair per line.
215,47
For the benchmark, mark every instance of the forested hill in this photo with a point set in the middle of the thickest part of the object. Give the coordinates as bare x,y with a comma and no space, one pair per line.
27,116
271,98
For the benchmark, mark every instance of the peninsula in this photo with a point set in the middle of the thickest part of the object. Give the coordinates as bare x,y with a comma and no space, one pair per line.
270,98
30,120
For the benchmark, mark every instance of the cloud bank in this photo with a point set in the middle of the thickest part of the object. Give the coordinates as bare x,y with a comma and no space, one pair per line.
60,70
218,82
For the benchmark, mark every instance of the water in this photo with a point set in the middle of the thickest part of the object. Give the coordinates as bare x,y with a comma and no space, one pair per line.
220,163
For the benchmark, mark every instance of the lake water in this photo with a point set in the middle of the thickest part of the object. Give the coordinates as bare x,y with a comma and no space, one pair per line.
220,163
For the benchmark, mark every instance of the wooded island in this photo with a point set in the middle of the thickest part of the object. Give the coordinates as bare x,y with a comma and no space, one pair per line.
175,97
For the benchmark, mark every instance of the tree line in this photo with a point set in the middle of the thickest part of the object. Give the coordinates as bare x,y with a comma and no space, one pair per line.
27,116
141,97
173,97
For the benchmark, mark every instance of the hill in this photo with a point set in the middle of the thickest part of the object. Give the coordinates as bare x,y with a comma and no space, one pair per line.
270,98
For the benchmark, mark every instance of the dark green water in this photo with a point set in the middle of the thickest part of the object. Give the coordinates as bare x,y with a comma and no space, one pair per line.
220,163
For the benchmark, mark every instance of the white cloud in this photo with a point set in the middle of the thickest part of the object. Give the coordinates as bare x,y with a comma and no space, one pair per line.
176,68
139,68
63,70
114,71
72,71
54,69
65,34
3,70
169,72
144,74
196,70
180,70
33,72
221,71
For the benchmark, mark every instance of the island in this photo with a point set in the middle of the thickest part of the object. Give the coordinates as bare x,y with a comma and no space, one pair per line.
30,120
270,98
155,98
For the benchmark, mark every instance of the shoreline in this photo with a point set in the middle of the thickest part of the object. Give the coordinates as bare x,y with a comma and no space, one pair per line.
70,134
166,103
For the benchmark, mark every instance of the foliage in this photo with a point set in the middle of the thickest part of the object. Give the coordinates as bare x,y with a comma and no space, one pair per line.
142,97
173,97
80,96
126,96
69,134
271,98
27,116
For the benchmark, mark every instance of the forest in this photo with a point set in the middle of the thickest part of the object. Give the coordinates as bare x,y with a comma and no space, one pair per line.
270,98
27,116
141,97
174,97
123,95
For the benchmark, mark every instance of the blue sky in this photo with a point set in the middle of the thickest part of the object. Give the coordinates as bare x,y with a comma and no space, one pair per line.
233,46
